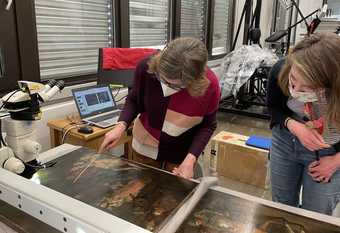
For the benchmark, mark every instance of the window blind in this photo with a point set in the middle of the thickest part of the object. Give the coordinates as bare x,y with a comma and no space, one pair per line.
148,23
283,19
193,18
222,26
69,35
334,8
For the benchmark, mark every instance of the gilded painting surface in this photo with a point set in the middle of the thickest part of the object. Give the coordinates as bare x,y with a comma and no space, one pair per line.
148,197
140,195
219,212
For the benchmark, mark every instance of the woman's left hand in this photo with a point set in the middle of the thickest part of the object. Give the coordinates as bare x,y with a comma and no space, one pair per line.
323,170
186,169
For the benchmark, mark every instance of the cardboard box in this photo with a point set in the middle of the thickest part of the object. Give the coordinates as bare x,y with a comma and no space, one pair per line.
232,158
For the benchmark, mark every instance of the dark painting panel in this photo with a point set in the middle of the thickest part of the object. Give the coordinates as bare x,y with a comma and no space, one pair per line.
140,195
219,212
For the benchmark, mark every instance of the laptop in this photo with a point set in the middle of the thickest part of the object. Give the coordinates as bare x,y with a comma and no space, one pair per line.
96,105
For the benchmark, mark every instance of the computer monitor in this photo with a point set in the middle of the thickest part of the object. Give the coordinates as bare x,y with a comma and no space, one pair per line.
94,100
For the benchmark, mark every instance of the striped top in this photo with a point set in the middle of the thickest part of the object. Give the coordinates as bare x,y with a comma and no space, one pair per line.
168,128
331,134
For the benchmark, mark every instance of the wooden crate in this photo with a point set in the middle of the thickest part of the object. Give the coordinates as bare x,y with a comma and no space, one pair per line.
232,158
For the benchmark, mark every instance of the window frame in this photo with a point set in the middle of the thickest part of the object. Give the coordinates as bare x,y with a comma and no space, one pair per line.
208,40
122,16
9,51
210,30
122,24
28,44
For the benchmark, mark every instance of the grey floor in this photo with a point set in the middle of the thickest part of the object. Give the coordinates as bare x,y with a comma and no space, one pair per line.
241,125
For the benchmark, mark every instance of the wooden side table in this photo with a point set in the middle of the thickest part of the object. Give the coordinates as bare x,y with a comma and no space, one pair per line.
93,140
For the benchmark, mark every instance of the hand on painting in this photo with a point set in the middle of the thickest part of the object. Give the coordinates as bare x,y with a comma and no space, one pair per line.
112,137
309,138
186,168
322,171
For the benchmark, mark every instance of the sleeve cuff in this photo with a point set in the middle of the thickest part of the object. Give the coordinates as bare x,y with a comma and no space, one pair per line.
196,152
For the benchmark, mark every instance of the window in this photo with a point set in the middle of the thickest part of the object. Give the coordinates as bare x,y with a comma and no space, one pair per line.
222,34
193,18
69,35
283,17
148,23
334,9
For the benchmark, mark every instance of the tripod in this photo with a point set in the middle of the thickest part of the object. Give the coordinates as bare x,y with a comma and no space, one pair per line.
287,32
250,32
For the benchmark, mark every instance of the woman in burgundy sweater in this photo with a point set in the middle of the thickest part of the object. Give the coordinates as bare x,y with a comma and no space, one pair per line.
173,104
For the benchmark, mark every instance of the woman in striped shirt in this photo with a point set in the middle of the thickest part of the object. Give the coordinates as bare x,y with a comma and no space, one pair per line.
304,103
173,104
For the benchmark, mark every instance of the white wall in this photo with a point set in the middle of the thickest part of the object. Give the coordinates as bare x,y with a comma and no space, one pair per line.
51,112
265,21
307,7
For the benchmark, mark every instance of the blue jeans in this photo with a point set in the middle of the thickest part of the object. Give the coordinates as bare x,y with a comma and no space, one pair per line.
289,171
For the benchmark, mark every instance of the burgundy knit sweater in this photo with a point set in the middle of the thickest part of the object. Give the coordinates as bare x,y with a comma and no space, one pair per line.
168,128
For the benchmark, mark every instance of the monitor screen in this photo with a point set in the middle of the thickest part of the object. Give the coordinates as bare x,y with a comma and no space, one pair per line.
94,100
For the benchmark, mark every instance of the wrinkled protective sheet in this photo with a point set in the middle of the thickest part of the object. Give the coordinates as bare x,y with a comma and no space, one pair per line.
238,66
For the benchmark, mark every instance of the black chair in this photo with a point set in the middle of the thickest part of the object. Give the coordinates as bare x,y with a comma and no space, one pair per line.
114,77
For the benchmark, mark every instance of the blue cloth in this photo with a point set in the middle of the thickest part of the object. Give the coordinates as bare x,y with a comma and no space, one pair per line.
289,161
259,142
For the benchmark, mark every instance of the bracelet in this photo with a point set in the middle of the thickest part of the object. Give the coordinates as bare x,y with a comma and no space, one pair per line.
123,123
286,121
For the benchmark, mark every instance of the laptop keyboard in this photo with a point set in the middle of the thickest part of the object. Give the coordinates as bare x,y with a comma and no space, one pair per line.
105,117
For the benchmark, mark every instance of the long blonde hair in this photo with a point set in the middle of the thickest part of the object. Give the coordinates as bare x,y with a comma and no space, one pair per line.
183,59
317,59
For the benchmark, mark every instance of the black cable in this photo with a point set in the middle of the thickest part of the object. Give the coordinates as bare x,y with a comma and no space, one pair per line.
246,5
70,128
39,166
116,93
4,101
66,126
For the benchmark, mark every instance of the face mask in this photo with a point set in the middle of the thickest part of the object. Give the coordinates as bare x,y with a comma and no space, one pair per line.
305,97
167,91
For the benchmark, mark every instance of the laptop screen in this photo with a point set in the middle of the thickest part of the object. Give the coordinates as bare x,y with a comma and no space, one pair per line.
94,100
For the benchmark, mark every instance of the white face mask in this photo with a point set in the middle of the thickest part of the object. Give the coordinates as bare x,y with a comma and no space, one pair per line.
305,97
167,91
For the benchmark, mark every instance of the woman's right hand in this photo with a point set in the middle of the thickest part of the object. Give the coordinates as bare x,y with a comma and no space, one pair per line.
309,138
112,137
